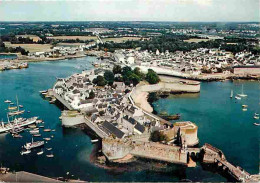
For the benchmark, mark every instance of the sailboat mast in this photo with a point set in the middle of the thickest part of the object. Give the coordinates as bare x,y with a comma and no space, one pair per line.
17,102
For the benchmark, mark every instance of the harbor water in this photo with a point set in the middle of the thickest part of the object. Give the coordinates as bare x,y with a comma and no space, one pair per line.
7,56
220,119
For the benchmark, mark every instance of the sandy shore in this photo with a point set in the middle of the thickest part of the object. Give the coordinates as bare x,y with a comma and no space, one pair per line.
140,99
144,104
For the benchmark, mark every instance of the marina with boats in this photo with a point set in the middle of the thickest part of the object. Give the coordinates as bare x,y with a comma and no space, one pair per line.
18,125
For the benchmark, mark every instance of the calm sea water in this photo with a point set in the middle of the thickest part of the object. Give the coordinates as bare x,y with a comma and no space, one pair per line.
221,122
11,56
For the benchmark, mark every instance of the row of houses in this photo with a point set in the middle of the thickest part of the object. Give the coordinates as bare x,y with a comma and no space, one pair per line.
194,62
108,107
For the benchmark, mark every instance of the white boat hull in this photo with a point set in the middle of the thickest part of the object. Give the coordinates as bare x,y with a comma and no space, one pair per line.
9,127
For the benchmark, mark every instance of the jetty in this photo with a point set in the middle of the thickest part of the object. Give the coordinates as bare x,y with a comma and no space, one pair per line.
60,99
217,157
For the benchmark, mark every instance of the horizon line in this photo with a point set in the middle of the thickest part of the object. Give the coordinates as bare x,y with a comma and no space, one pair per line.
216,21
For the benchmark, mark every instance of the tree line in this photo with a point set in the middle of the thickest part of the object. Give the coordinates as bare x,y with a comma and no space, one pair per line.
175,43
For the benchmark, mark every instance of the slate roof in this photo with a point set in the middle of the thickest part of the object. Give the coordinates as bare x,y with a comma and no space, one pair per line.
140,127
75,91
130,120
88,101
112,129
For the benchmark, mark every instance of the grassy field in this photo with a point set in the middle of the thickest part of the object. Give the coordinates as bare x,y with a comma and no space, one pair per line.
83,38
70,44
195,40
33,37
120,39
31,47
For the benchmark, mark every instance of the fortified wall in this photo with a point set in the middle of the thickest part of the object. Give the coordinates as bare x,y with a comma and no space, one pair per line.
118,149
171,87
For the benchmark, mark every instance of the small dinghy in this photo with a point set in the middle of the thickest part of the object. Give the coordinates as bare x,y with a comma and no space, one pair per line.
40,153
26,152
50,155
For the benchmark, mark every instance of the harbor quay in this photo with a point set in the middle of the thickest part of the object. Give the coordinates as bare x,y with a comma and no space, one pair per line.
12,64
126,129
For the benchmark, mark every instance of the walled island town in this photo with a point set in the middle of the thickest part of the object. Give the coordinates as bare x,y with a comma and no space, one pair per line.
129,91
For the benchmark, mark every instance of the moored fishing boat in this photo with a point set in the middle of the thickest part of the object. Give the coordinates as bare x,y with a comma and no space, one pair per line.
40,152
35,131
7,101
14,113
37,135
47,138
43,91
32,126
17,130
50,155
231,94
12,108
47,130
33,144
94,140
49,149
257,124
237,97
20,122
26,152
39,121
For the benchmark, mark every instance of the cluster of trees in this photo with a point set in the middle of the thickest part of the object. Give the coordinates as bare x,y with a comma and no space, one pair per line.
152,77
126,75
5,49
158,136
19,40
100,81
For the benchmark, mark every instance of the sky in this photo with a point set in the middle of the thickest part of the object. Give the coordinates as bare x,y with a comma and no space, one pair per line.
130,10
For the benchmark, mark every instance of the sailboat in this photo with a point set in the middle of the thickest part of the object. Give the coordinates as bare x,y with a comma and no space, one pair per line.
231,94
18,112
242,94
256,116
237,97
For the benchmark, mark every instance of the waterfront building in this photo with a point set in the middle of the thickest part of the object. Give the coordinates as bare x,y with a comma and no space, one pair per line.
186,133
112,130
247,70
